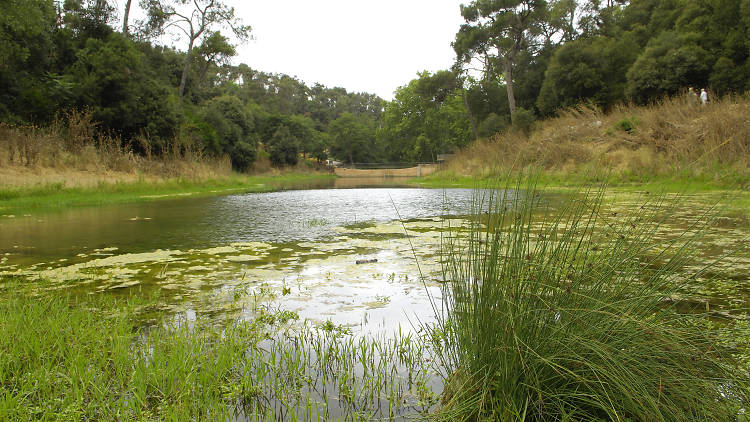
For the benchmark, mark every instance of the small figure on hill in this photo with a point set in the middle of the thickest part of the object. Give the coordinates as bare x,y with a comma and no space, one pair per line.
704,96
692,95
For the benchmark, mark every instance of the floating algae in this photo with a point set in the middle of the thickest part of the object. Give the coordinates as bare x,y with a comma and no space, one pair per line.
318,277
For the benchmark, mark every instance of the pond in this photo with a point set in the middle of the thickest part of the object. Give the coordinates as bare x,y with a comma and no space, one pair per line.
353,264
365,257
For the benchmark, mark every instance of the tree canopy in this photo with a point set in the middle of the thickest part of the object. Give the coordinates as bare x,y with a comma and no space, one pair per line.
533,58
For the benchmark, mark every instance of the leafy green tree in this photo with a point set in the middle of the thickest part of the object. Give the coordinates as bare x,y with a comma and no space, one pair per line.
283,147
426,118
498,30
726,77
214,50
88,18
191,20
352,139
492,125
111,79
670,62
588,69
26,47
230,130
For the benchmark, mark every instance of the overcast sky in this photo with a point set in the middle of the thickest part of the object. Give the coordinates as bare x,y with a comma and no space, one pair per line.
363,46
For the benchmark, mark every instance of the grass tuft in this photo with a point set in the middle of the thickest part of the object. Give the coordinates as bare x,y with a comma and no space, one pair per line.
561,315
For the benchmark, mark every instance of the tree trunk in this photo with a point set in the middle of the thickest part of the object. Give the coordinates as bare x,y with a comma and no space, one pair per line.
471,116
125,17
185,69
508,70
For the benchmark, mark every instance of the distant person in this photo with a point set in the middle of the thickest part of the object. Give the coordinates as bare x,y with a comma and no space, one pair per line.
704,96
692,95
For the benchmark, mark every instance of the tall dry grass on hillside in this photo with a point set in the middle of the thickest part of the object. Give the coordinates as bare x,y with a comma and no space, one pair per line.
673,136
72,151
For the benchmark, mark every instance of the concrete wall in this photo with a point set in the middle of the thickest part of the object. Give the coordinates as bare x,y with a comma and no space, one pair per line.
419,171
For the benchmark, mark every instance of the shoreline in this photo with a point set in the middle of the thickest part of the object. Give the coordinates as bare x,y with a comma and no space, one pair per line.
47,197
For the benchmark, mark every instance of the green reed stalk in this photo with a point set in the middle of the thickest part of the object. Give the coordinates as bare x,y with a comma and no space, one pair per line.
559,314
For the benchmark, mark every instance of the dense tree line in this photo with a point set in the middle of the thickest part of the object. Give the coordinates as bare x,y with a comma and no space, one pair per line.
61,55
536,57
516,61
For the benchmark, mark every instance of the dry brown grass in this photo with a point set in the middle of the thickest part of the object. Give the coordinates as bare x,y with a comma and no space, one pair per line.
672,136
73,152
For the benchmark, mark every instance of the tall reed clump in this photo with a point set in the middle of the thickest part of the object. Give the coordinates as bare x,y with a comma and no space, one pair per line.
556,315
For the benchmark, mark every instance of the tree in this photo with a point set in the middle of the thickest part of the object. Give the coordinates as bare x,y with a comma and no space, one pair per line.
214,50
26,46
283,148
671,62
193,20
126,17
126,98
229,130
88,18
497,30
351,139
426,118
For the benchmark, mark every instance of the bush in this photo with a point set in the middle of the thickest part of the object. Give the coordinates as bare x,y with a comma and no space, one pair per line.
627,124
492,124
229,130
283,147
558,316
524,120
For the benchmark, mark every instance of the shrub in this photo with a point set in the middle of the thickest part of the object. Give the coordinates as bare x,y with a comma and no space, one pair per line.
492,125
524,120
627,124
229,130
283,147
559,316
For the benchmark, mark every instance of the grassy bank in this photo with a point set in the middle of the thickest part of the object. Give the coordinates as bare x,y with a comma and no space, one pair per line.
71,163
674,143
30,199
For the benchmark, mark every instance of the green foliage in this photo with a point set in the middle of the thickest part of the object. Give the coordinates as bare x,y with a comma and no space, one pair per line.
229,130
587,70
111,80
543,56
669,63
726,77
427,117
524,120
352,139
283,147
555,314
627,124
26,46
492,125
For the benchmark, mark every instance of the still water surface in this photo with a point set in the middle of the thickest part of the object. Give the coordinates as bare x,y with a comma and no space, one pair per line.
302,250
220,256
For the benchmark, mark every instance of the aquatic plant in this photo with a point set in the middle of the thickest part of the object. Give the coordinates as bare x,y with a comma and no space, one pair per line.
88,359
563,315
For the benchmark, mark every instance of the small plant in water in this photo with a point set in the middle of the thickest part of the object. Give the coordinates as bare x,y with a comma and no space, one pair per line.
561,315
315,222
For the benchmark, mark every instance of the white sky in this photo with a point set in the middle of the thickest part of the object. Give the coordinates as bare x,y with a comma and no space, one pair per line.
363,46
370,46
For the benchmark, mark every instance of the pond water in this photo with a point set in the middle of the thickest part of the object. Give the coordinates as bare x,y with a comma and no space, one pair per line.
360,256
220,256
